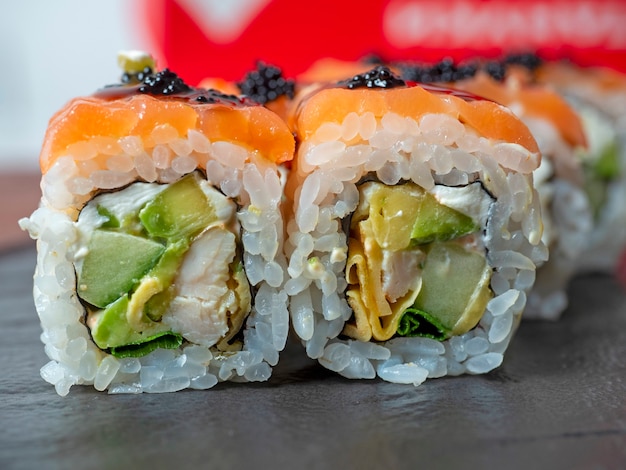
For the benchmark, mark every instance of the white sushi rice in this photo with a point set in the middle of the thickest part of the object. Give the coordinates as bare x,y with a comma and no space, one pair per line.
74,179
434,150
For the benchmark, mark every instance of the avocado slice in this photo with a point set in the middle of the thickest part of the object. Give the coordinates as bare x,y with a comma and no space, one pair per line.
392,213
406,215
182,210
111,330
455,288
165,271
112,221
114,264
607,166
436,222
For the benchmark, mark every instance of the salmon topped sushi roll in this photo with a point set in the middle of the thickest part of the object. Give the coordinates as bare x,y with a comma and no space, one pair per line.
599,97
160,237
415,229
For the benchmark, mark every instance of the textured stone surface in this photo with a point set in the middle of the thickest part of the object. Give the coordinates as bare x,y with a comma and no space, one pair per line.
557,402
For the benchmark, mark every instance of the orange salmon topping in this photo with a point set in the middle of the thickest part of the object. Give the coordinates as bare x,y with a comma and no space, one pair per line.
564,74
536,101
487,118
84,119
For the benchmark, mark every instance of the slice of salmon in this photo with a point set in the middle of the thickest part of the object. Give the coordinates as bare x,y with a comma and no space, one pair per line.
531,100
111,116
488,118
564,74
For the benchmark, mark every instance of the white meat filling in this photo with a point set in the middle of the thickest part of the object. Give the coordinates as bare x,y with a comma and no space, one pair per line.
199,312
399,271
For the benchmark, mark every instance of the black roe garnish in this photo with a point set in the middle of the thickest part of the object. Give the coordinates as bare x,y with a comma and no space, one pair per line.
528,60
164,82
167,83
444,71
378,77
266,84
496,70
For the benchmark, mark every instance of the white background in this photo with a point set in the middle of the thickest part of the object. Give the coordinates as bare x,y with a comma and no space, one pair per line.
50,52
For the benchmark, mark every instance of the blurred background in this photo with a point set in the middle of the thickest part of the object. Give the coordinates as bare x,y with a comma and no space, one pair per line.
53,51
50,52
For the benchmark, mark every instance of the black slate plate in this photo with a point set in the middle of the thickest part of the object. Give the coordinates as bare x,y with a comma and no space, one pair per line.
557,402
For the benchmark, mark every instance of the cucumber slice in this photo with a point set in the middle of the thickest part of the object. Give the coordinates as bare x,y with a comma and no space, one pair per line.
455,287
114,264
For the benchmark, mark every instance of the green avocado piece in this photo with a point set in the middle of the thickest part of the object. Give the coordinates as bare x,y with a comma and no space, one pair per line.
112,221
180,211
607,165
392,213
436,222
112,329
165,270
114,264
406,215
455,287
597,176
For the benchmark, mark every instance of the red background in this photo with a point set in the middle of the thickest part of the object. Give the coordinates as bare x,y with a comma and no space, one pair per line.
293,34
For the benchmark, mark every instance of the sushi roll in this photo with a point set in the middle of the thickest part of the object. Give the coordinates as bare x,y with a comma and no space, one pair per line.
599,97
160,237
414,231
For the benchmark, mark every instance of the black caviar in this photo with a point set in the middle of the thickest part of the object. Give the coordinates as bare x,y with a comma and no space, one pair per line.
497,70
527,59
378,77
266,84
164,82
176,90
444,71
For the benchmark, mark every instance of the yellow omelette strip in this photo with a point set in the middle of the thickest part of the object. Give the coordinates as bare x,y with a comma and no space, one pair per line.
375,317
